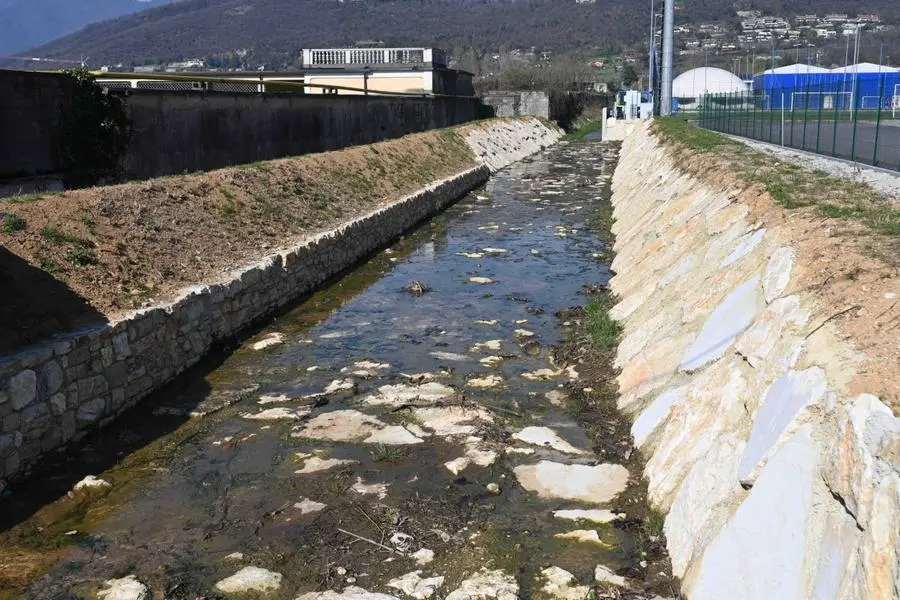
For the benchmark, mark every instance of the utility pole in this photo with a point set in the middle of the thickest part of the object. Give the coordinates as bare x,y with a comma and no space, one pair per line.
665,108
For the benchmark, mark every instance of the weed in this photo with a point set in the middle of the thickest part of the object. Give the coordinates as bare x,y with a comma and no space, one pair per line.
12,223
81,256
226,191
602,329
585,130
385,453
89,224
693,137
55,236
48,266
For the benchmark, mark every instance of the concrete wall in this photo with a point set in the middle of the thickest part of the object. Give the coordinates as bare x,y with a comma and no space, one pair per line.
189,131
184,131
778,481
29,122
517,104
55,392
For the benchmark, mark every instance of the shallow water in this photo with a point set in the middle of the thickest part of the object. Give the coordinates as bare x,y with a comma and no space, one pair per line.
225,483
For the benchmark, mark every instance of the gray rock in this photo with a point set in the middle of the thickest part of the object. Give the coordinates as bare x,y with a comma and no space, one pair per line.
23,389
90,411
50,379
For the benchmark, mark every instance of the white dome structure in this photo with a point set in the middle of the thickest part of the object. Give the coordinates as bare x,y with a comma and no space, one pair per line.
688,87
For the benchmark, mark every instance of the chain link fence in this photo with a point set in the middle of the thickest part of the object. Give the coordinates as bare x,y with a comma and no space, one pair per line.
856,118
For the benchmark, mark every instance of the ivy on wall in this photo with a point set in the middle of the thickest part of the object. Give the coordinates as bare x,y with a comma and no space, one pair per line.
94,133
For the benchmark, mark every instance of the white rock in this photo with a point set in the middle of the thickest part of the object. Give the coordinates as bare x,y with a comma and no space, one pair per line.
597,484
481,280
523,451
605,575
126,588
393,435
761,552
90,482
378,489
251,579
541,375
371,366
594,515
457,465
588,536
340,386
423,556
487,584
315,464
281,413
273,399
486,382
235,556
340,426
562,585
745,246
736,312
401,394
349,593
492,345
655,414
778,273
546,438
306,506
495,251
452,420
779,417
471,254
523,333
273,339
415,586
449,356
556,397
491,361
486,322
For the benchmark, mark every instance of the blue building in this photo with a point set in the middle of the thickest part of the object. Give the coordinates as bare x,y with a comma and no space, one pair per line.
863,86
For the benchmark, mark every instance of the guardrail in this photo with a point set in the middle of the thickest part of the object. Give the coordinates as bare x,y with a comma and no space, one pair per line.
848,121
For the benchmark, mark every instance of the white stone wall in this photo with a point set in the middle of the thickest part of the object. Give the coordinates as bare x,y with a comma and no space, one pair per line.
776,484
55,392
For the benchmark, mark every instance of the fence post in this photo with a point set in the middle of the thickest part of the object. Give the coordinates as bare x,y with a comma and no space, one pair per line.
878,119
771,110
793,94
782,118
819,120
855,119
834,125
805,114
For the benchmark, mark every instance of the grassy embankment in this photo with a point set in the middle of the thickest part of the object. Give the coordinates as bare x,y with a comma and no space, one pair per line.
790,186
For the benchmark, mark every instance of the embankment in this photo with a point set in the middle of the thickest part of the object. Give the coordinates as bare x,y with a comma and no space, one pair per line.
754,366
185,236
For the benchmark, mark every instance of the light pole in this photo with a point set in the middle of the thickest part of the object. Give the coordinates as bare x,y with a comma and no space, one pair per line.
665,108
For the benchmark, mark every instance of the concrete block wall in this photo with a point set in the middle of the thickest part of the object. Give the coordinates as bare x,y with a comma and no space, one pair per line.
55,392
776,482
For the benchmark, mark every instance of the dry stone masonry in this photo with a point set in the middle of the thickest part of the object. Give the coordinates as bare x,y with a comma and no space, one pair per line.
776,481
55,392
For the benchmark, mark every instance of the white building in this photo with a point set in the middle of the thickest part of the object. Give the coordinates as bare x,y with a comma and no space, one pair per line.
689,87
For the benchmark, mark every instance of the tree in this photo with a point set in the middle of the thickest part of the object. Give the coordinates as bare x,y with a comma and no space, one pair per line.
629,76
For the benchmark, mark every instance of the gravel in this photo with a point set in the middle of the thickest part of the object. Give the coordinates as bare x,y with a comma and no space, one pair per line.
882,181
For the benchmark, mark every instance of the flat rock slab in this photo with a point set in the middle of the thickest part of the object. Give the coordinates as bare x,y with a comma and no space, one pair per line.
727,321
315,464
562,585
251,579
126,588
546,438
349,593
596,515
402,393
551,480
340,426
393,435
487,585
281,413
452,420
416,586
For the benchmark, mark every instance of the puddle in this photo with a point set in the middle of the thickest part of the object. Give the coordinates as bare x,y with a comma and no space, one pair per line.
376,441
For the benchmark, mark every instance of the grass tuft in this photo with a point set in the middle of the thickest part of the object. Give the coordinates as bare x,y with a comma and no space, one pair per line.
12,223
601,328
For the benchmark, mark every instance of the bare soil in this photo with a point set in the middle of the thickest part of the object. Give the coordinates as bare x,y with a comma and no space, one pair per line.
89,255
850,267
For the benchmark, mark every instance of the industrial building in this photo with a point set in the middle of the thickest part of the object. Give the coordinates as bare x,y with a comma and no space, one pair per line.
342,71
863,86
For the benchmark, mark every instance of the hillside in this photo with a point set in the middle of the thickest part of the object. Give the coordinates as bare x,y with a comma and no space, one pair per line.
275,30
28,23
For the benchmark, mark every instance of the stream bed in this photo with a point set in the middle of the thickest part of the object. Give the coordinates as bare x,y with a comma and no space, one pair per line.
405,432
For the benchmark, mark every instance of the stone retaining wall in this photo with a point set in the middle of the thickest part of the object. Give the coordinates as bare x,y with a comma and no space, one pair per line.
776,481
54,393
